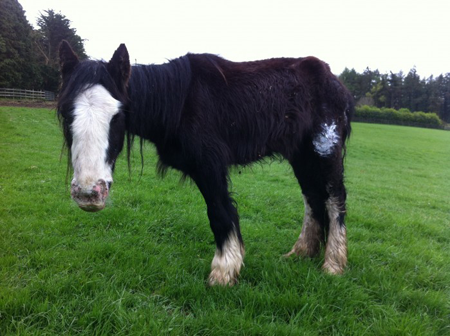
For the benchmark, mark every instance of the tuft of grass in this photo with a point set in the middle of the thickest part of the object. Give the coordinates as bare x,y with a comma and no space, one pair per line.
140,266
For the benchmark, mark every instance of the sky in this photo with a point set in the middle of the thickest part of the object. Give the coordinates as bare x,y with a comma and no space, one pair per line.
388,35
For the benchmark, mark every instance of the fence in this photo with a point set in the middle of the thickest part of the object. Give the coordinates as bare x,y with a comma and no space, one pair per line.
26,94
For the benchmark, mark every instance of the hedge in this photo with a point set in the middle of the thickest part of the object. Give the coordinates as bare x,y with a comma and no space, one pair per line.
403,116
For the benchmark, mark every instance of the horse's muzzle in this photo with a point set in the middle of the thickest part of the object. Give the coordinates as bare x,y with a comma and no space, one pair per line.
91,199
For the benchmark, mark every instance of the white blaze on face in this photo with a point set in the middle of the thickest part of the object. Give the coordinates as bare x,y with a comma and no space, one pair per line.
93,110
325,141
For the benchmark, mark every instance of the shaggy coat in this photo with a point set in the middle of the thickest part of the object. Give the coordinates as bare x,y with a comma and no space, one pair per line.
205,114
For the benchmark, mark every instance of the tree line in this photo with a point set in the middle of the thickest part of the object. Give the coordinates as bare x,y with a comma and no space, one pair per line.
397,90
29,60
28,56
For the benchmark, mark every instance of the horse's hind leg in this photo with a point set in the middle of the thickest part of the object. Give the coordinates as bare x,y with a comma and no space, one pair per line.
224,221
312,235
336,249
321,179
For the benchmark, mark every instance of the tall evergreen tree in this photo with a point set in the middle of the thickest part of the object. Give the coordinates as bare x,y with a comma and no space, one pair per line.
351,80
380,90
412,91
18,66
367,80
395,82
444,91
53,28
28,58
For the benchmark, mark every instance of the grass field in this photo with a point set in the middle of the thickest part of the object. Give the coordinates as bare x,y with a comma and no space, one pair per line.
140,266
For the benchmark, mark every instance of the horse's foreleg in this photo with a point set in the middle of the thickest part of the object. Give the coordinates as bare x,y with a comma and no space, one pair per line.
224,221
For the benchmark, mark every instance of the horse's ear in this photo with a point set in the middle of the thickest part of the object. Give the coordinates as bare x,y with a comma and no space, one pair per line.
67,58
119,67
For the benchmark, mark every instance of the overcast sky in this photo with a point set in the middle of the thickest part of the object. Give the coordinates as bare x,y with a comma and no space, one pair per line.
388,35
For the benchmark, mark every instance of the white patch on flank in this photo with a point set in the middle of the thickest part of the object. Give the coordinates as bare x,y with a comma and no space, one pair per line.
226,265
325,141
93,110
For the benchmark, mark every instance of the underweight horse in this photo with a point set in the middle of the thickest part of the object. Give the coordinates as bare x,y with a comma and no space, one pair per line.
205,114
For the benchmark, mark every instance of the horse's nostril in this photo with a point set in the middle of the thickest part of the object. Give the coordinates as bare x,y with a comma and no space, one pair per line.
101,184
76,189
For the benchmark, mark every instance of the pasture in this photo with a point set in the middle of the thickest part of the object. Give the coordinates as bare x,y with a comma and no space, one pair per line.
140,266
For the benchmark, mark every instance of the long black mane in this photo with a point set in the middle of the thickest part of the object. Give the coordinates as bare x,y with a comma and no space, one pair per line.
156,95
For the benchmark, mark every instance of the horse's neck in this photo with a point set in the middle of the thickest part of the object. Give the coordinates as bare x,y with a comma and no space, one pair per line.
157,94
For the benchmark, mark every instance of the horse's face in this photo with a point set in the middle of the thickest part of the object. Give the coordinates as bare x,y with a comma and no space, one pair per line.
91,108
97,132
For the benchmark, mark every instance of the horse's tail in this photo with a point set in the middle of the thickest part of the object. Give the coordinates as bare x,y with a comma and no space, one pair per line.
349,112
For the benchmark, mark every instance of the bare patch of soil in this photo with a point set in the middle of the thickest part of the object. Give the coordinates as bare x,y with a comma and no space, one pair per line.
28,103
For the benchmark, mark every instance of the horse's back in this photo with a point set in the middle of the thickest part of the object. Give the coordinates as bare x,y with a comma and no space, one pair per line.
258,108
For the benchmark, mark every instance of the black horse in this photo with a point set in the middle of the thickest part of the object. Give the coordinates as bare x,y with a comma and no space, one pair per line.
204,114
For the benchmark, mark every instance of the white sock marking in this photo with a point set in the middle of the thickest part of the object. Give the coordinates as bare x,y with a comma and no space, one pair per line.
308,243
226,265
336,249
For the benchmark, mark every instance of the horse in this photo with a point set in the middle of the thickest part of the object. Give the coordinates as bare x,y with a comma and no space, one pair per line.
205,114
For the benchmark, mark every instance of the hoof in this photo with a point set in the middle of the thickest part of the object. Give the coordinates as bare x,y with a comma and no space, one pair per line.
219,278
333,268
291,252
303,250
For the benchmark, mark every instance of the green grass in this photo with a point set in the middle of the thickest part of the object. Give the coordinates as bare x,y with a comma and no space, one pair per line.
140,266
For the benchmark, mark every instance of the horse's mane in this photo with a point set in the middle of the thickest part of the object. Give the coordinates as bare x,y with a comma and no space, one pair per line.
156,96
